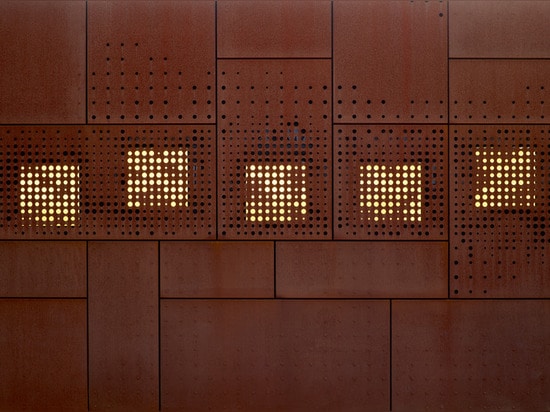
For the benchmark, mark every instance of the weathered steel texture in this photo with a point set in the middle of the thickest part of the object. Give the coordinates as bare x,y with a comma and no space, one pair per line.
499,211
151,62
274,149
390,62
43,62
123,311
274,29
497,29
499,91
43,269
390,182
43,355
275,355
470,355
217,269
362,269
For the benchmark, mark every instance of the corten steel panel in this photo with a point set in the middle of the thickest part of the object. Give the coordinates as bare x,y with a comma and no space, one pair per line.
275,355
217,269
151,62
362,269
43,355
43,61
123,310
499,211
470,355
274,149
390,182
499,29
43,269
274,29
499,91
390,62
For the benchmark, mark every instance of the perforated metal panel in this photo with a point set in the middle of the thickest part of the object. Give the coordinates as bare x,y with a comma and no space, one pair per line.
500,205
274,149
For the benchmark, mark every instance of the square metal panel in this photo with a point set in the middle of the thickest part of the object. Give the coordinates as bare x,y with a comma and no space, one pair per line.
499,91
390,62
390,182
151,62
274,149
499,211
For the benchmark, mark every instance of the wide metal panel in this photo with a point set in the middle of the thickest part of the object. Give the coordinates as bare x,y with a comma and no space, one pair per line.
43,355
274,149
274,29
470,355
151,61
499,198
499,91
390,62
275,355
499,29
123,311
361,269
217,269
43,269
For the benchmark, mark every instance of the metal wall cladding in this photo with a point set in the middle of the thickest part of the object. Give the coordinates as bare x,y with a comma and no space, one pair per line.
141,68
390,182
274,149
499,207
499,91
390,62
275,355
43,62
470,355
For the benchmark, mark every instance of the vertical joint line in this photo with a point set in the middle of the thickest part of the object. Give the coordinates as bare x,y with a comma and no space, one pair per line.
87,328
86,63
448,161
159,327
332,110
274,270
391,355
216,127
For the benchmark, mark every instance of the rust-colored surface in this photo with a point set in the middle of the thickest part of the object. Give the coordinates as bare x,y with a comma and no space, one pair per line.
123,312
274,149
141,67
499,29
361,269
390,62
470,355
275,355
499,91
274,29
217,269
390,182
43,269
43,355
499,188
43,62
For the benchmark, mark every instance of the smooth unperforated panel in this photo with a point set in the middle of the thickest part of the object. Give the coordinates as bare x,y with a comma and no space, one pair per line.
151,62
499,29
390,61
217,269
361,269
275,355
274,149
470,355
274,29
390,182
499,91
43,269
43,355
499,207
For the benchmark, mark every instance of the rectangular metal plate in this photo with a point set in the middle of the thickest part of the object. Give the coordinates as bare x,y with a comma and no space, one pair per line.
275,355
390,62
499,198
499,91
470,355
274,149
217,269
